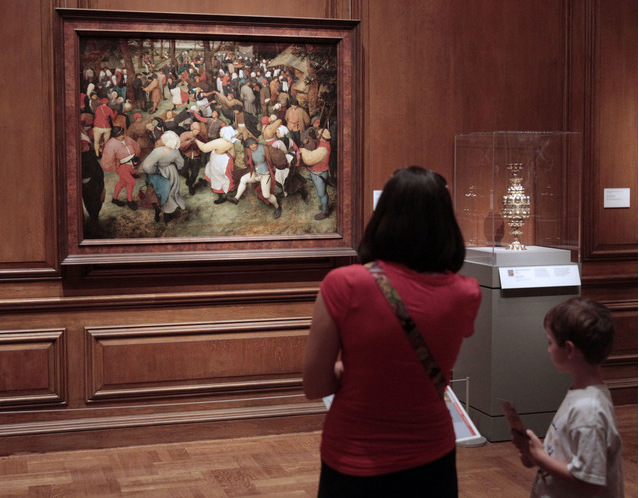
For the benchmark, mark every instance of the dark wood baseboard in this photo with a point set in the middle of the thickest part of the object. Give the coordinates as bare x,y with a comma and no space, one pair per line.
155,429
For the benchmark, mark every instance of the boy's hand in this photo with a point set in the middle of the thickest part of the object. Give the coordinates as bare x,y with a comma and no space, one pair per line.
536,455
525,460
520,439
534,450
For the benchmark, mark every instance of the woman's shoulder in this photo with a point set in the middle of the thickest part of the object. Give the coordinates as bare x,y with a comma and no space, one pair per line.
349,276
469,283
467,290
342,285
356,272
444,278
347,272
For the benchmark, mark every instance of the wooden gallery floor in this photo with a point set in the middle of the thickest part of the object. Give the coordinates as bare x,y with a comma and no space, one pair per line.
276,466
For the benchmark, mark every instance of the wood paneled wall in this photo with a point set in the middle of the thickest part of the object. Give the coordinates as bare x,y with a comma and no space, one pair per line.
95,357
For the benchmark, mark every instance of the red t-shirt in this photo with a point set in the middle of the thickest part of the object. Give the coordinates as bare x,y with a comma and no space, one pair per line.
387,415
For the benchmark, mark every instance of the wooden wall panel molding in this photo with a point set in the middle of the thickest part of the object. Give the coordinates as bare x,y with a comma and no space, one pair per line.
620,374
610,128
28,245
159,419
600,272
620,369
95,433
626,332
32,367
336,9
612,282
28,271
189,359
243,297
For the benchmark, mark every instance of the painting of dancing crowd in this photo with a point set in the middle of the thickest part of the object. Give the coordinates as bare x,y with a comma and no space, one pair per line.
184,138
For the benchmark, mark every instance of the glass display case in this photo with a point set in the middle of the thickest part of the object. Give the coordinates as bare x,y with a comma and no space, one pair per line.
517,199
517,196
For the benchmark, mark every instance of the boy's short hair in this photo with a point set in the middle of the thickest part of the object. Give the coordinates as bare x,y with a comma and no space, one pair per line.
586,323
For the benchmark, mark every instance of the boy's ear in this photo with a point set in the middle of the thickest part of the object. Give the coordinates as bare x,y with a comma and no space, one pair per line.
571,349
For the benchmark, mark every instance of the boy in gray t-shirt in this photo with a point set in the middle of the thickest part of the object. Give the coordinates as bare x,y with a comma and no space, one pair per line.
581,453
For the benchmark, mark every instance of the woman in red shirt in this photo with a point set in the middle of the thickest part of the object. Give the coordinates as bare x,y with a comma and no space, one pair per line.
388,432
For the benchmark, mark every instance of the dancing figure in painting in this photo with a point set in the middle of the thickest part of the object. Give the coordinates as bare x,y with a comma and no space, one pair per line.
261,168
219,168
161,167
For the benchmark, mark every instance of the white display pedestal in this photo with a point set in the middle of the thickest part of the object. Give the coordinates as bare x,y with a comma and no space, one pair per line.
507,358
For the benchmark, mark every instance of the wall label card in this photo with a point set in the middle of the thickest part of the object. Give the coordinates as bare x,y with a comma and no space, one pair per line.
616,198
529,277
376,195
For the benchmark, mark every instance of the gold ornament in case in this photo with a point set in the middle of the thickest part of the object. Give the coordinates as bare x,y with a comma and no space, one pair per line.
516,206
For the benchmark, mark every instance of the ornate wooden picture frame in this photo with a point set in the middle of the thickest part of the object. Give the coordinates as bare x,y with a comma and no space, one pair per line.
188,66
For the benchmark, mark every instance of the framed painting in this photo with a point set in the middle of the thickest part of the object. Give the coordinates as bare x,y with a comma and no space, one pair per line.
198,137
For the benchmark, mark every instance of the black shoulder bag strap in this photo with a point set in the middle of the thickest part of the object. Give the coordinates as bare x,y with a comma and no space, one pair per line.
414,337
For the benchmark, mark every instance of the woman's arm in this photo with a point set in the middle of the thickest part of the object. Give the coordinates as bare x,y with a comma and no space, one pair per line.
321,374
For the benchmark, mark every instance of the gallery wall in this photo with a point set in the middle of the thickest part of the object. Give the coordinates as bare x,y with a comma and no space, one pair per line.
95,355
